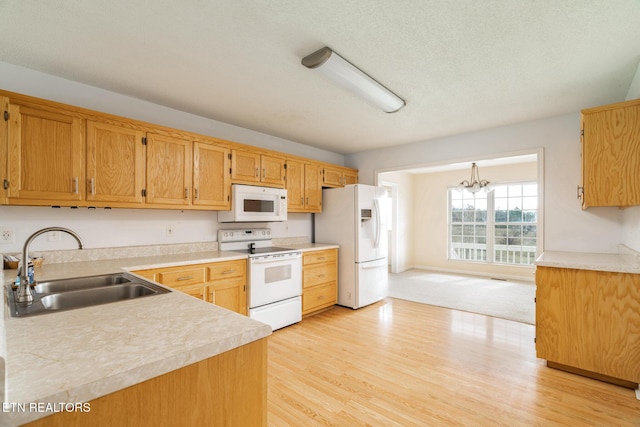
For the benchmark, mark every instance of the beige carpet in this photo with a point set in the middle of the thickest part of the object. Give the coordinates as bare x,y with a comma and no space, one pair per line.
510,300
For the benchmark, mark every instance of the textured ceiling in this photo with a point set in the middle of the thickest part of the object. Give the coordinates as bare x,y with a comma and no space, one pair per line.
460,65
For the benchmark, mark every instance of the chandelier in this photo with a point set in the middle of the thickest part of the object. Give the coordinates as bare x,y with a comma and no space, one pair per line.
476,184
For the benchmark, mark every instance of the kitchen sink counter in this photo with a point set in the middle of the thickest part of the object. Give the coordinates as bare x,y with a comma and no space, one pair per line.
626,261
79,355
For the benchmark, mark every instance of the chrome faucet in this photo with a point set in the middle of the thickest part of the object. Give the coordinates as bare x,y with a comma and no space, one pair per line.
24,289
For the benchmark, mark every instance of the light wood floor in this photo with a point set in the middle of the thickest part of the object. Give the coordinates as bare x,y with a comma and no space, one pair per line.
399,363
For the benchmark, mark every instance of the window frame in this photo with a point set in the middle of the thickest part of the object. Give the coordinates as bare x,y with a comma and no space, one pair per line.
490,237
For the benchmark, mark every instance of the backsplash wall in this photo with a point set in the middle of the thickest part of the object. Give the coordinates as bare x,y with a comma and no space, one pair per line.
104,228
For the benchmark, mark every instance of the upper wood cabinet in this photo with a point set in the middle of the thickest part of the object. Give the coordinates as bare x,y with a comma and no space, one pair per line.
45,155
339,177
304,186
115,163
611,155
169,162
254,168
211,178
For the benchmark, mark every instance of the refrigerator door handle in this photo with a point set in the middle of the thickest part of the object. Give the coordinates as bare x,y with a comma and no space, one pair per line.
376,204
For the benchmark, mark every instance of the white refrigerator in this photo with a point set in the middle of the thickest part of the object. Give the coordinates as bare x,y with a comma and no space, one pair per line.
354,218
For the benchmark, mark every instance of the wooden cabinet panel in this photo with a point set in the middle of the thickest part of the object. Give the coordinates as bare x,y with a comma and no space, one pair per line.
272,170
304,186
350,177
46,155
115,163
295,186
181,276
332,178
169,176
589,320
319,280
253,168
227,269
211,179
245,166
230,294
611,155
318,298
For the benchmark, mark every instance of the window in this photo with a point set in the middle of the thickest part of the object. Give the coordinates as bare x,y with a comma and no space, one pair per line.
495,227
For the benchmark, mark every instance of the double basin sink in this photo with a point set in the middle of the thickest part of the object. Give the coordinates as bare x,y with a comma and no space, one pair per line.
78,292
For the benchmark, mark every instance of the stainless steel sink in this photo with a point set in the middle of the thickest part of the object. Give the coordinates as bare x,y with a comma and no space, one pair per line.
78,283
79,292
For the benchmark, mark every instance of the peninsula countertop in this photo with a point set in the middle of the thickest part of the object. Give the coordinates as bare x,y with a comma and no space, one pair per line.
626,261
79,355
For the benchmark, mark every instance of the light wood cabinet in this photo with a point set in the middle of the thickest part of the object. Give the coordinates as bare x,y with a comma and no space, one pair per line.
228,285
211,178
304,186
169,162
611,155
229,389
115,163
589,321
339,177
319,280
45,155
222,283
254,168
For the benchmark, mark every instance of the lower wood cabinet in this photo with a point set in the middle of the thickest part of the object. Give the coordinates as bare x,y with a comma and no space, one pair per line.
590,321
319,280
222,283
229,389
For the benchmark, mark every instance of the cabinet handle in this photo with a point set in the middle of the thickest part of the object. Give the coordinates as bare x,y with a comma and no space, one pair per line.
321,297
264,172
322,258
75,185
180,279
580,192
307,200
186,193
197,194
302,200
228,271
257,175
92,184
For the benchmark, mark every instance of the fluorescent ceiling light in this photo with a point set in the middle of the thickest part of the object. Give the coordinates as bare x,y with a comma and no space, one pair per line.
342,72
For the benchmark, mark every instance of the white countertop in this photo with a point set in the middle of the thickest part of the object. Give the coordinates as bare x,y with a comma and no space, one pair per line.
627,261
79,355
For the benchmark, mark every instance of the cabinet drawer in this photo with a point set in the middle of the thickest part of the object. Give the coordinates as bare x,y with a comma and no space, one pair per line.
187,276
227,270
318,274
319,297
315,257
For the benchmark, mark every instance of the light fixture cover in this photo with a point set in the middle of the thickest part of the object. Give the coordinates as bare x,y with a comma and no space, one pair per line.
342,72
475,184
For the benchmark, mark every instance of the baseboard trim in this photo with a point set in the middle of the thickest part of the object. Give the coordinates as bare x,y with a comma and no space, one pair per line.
471,273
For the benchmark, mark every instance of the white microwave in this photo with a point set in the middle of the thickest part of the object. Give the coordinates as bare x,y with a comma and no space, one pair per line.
250,203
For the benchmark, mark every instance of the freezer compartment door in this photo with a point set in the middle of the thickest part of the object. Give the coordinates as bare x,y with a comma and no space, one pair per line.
279,314
372,282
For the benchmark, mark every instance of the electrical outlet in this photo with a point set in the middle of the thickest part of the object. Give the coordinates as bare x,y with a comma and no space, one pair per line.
170,230
7,235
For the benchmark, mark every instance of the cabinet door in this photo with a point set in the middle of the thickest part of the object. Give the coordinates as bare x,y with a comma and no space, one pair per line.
230,294
295,186
115,163
332,178
245,166
272,170
611,155
350,177
211,179
312,188
169,176
46,155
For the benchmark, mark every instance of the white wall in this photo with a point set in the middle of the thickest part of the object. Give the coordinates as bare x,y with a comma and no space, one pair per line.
631,216
567,226
124,227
